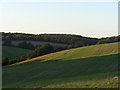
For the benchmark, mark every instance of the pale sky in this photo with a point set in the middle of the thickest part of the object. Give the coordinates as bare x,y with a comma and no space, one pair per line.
92,19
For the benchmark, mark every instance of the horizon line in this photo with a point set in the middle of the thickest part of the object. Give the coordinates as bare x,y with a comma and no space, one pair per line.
62,33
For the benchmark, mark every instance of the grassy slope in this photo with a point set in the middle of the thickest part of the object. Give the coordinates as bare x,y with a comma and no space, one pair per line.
80,67
13,52
83,52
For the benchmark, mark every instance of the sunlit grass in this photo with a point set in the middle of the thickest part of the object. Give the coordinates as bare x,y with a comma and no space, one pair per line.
66,69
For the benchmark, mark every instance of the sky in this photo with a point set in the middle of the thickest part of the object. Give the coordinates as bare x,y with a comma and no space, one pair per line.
91,19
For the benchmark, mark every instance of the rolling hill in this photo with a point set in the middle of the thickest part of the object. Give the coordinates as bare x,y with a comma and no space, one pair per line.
12,52
92,66
62,40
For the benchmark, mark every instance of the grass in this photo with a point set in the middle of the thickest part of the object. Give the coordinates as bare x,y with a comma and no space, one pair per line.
12,52
92,66
104,83
83,52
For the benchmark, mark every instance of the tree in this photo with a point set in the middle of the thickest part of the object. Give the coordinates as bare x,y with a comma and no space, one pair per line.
22,58
56,48
5,61
31,55
47,48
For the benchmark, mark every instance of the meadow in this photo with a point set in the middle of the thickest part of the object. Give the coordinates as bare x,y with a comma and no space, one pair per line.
13,52
93,66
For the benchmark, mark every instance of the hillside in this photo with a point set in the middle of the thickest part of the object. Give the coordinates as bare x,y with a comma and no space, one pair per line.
91,66
82,52
35,43
53,39
12,52
63,40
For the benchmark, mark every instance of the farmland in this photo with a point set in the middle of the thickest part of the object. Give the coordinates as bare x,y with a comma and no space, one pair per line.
93,66
12,52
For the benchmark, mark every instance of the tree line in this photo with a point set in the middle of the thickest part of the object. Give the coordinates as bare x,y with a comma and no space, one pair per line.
73,40
70,39
38,51
109,40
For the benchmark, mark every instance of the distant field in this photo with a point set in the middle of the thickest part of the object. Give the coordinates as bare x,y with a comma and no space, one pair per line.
16,43
12,52
93,66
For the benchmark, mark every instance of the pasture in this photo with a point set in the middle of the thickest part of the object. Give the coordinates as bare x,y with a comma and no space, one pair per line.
86,67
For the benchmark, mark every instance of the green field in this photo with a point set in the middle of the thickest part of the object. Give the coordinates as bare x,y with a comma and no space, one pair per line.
12,52
86,67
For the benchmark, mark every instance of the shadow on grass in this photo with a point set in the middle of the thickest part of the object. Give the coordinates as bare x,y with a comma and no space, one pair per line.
63,70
